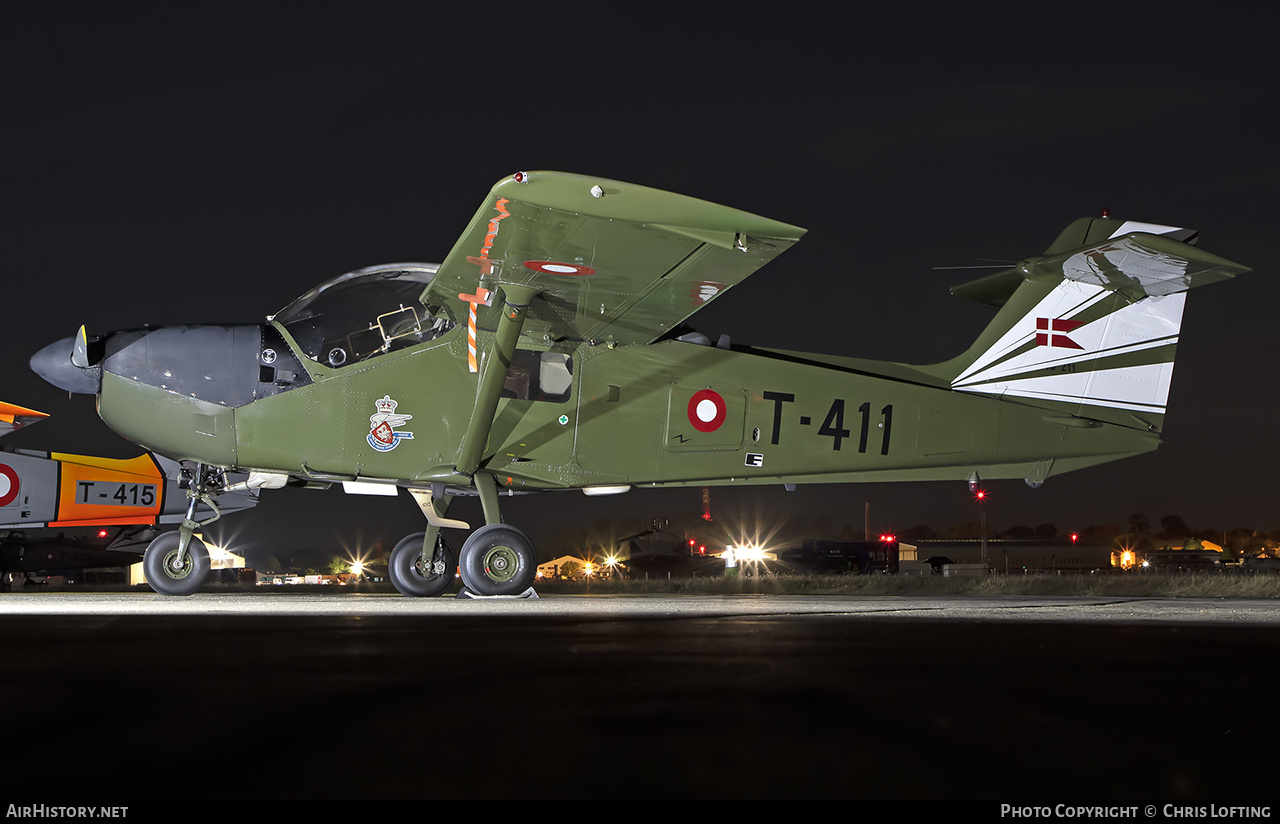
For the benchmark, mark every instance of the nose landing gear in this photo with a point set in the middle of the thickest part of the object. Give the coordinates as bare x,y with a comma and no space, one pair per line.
177,563
173,570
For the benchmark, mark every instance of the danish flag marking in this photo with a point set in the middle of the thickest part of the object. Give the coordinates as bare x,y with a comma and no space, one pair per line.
1045,327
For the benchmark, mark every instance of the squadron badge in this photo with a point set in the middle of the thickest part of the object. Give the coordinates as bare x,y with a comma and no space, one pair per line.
382,433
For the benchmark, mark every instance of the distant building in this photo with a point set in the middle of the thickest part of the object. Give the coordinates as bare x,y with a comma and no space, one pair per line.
1018,556
658,552
1192,556
863,557
556,568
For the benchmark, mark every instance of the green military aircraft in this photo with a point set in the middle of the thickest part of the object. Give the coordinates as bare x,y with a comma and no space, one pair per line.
548,352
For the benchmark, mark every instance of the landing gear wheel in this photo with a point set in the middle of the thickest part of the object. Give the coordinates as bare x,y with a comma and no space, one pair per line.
412,577
158,564
498,560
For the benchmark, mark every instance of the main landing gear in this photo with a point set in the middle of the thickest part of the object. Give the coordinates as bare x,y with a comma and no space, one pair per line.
498,560
416,572
495,560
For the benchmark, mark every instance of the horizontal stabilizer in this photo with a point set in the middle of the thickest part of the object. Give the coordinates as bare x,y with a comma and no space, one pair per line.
13,417
1137,259
1139,265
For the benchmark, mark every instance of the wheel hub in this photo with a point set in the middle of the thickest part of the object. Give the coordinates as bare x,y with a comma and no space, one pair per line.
428,570
501,563
177,569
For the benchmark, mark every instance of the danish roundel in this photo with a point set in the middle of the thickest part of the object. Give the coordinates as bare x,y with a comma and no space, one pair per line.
551,267
707,410
8,485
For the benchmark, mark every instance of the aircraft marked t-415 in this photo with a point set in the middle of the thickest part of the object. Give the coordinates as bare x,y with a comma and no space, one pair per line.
62,512
547,352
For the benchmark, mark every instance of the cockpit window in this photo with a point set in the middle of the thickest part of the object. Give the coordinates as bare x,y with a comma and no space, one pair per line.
365,313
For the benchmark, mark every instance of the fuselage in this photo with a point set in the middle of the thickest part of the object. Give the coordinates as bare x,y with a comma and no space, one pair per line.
668,413
341,386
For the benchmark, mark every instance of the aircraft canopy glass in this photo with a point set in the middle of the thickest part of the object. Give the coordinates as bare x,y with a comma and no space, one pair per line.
363,314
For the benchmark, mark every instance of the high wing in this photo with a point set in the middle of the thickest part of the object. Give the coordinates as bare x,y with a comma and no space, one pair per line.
613,261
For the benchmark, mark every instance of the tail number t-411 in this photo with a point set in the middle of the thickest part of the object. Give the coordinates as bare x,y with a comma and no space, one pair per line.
833,425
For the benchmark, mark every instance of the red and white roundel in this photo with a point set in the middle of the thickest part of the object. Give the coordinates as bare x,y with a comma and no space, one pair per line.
551,267
8,485
707,410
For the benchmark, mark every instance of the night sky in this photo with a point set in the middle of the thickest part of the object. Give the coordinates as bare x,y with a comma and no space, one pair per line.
163,165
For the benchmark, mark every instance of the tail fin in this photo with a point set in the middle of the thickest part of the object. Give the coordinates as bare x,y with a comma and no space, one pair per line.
1089,329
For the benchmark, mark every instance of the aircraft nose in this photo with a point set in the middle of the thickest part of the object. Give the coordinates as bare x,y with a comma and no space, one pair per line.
56,363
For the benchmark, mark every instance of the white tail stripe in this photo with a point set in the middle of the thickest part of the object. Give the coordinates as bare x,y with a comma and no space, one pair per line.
1066,301
1015,364
1067,360
1136,388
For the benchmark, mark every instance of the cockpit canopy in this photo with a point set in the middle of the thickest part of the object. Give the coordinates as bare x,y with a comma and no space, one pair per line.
365,313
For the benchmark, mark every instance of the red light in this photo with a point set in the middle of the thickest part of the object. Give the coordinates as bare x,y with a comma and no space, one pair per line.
1075,536
102,533
981,494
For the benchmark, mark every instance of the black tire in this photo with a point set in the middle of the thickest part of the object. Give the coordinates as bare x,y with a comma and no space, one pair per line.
498,560
161,575
407,574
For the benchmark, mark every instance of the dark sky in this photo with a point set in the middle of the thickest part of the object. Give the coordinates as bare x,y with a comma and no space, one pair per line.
163,165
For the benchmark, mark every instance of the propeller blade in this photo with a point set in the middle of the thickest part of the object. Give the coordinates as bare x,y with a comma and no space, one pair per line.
80,349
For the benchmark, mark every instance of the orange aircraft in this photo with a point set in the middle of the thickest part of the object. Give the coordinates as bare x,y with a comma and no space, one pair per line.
62,512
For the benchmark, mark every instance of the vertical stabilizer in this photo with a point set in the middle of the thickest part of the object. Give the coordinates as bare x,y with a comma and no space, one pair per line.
1089,331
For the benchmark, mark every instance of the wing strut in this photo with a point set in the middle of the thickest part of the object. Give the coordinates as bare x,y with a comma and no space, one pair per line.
494,374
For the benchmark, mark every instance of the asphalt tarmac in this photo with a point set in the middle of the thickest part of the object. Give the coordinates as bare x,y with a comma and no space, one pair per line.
276,695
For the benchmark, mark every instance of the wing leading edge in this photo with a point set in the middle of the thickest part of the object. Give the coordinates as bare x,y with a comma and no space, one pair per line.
612,261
